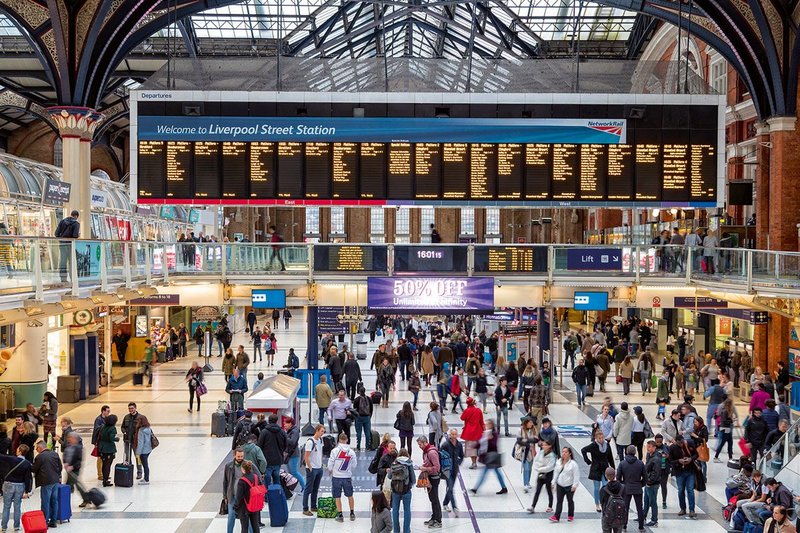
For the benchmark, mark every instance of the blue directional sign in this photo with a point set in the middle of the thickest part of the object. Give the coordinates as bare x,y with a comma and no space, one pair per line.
594,259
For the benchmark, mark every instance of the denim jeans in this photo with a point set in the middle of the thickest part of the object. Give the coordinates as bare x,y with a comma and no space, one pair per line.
527,466
406,501
313,478
272,475
293,465
145,465
597,486
450,482
12,493
710,412
725,437
403,365
651,502
232,519
322,416
581,392
483,476
257,351
363,424
685,482
50,501
221,348
504,412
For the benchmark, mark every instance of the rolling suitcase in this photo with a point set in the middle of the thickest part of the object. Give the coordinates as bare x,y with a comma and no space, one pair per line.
138,378
278,508
64,503
93,496
34,522
123,474
218,424
374,440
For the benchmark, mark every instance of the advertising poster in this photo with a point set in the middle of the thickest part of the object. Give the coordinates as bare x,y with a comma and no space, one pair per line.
794,362
141,326
201,316
87,255
724,326
430,294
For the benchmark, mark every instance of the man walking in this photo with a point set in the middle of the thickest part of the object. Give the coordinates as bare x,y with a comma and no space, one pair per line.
68,228
341,464
455,450
272,441
631,473
652,474
242,361
275,250
149,361
47,474
503,399
312,459
431,466
323,395
338,411
352,375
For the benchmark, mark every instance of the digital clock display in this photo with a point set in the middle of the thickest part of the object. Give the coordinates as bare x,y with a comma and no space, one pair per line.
430,258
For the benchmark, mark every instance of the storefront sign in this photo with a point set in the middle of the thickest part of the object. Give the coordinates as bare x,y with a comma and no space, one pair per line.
99,198
158,299
594,259
522,329
430,295
56,192
700,302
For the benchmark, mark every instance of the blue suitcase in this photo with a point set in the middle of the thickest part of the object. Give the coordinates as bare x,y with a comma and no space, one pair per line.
278,508
64,503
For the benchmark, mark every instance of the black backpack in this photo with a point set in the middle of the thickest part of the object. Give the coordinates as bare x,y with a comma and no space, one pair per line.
373,465
362,406
615,512
400,479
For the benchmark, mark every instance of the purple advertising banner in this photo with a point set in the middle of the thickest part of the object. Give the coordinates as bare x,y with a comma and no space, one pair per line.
594,259
157,299
430,295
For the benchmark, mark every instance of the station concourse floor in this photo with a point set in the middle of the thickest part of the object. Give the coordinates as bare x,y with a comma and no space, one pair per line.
186,469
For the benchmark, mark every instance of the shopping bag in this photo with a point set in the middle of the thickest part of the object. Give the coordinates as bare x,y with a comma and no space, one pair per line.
744,447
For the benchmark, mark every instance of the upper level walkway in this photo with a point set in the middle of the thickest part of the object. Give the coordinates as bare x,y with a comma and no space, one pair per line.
41,268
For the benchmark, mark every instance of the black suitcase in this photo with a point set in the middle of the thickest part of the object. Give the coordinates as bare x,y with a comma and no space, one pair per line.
218,424
138,378
123,474
95,497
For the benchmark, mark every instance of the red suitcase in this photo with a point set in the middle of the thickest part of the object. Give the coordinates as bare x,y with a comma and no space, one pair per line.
34,522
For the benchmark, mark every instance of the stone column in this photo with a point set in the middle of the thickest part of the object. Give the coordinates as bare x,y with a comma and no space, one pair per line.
784,196
77,125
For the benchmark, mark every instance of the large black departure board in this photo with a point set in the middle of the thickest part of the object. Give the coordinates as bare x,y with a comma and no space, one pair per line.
666,156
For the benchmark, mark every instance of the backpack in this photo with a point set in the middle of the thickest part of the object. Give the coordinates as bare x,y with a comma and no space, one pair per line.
373,465
362,406
399,473
328,444
257,494
615,513
445,463
267,344
247,427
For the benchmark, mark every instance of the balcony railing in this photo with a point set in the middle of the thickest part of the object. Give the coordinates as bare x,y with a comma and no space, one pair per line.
35,265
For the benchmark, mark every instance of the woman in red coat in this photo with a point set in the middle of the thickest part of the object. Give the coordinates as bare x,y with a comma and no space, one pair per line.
473,430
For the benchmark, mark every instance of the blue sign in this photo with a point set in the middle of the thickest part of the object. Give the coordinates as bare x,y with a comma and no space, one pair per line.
590,301
269,298
375,129
594,259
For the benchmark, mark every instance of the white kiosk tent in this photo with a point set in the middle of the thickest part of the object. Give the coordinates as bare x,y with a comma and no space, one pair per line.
276,394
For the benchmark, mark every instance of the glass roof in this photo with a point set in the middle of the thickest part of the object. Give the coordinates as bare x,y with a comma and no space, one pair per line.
7,27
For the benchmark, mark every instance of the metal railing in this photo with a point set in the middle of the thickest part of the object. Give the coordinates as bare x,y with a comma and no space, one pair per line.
782,453
40,264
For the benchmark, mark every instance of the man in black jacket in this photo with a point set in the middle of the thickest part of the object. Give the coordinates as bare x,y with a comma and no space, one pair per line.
455,449
404,358
755,434
352,375
16,471
652,474
631,474
613,489
335,366
503,400
47,473
272,442
68,228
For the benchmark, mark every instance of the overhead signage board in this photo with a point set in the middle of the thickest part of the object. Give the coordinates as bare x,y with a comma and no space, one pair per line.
590,301
157,299
56,192
594,259
269,298
452,295
699,302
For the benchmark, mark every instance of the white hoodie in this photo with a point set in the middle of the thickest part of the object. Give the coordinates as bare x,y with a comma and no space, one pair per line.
342,461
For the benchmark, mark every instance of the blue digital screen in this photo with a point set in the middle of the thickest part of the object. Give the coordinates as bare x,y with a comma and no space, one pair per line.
591,301
269,298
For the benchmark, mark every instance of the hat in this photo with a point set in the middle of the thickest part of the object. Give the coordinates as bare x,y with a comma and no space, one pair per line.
637,409
470,400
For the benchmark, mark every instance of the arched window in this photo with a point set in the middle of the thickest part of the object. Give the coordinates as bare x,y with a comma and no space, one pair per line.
58,152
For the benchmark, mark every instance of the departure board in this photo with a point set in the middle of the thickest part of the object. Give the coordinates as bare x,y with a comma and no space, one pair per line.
401,171
620,172
565,171
262,170
483,171
428,170
430,258
290,170
344,170
509,171
152,165
349,258
455,170
235,167
372,171
670,158
510,259
206,169
318,170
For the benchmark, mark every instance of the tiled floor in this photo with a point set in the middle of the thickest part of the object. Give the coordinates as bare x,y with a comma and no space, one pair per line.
186,482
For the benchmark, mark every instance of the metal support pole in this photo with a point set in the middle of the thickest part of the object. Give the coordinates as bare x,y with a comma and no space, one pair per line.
207,352
749,265
73,268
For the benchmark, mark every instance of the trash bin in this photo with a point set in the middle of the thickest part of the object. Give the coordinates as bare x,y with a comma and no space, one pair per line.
361,348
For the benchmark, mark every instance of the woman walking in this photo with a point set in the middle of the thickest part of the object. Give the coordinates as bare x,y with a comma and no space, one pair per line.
194,377
472,432
385,379
481,388
645,367
107,446
605,423
727,420
525,449
428,365
49,413
143,445
271,347
566,478
543,465
492,458
640,430
228,364
598,456
435,422
405,425
199,339
626,371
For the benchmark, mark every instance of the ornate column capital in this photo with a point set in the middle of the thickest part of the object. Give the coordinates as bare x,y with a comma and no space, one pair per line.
80,122
762,128
782,124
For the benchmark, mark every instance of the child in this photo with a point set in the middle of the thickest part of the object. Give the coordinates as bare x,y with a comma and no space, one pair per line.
680,381
381,516
414,385
662,394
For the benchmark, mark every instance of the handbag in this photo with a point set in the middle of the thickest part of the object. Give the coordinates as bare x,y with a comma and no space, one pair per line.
619,379
95,451
598,371
423,482
201,389
223,507
699,479
744,447
153,440
703,453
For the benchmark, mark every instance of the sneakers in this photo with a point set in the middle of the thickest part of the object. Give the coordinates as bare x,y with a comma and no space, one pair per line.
502,491
531,510
553,519
548,510
663,505
144,482
435,524
446,508
526,489
455,511
652,524
692,515
570,519
682,512
717,460
473,467
339,517
352,516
